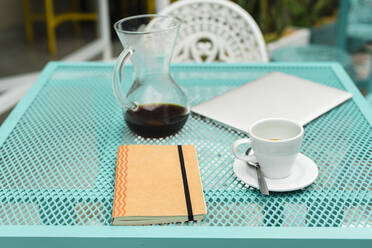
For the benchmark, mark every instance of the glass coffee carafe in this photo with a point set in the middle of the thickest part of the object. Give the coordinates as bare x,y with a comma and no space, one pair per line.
154,106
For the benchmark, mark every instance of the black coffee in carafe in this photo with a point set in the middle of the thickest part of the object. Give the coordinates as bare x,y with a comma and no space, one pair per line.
157,119
155,105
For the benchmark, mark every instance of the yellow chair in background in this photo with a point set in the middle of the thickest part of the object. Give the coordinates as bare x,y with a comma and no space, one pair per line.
151,6
53,20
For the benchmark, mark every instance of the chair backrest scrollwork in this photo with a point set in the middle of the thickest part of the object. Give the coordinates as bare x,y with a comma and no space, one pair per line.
216,30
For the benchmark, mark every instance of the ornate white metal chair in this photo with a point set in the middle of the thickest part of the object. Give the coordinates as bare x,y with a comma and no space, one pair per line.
216,30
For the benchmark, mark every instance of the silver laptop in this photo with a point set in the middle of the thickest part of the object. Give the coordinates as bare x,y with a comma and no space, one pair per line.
274,95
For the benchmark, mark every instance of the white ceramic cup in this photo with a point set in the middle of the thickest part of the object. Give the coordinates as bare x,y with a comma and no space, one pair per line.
275,143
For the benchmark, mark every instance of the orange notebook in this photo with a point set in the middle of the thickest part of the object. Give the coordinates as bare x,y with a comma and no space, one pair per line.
157,184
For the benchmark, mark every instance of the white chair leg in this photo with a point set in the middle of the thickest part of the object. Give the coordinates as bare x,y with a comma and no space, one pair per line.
104,28
11,97
14,88
161,4
7,83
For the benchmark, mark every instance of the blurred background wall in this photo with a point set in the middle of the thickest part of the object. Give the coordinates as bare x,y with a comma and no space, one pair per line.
312,20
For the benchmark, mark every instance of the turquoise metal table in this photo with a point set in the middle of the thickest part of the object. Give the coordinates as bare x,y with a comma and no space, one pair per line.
58,152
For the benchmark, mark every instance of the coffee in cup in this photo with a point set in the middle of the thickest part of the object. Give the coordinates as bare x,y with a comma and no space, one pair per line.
275,143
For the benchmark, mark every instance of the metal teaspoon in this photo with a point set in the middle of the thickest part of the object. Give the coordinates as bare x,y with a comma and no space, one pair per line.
261,179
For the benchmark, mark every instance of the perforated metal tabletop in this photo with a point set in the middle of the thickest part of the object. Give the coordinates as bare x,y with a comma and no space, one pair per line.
58,153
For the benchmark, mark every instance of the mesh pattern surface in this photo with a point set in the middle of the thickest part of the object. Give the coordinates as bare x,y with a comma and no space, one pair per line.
57,165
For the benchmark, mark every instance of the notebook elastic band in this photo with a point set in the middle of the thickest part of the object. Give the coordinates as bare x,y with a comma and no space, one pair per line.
185,184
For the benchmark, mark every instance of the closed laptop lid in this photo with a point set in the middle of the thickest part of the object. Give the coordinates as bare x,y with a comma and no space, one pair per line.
276,95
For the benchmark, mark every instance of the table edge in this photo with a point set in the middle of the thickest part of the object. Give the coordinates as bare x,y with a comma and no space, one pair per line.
351,87
26,101
187,232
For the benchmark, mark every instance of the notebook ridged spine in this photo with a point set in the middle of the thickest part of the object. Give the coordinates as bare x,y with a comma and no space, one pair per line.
121,183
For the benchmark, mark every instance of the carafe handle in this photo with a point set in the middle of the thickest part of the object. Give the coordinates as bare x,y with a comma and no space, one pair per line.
117,79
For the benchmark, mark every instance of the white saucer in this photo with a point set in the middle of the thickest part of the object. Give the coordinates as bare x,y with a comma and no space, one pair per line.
304,172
